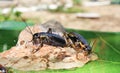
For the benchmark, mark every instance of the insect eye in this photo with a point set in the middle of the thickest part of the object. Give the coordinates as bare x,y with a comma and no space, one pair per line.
36,35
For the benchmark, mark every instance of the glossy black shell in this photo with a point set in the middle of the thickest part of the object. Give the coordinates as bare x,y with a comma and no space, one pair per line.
49,39
79,38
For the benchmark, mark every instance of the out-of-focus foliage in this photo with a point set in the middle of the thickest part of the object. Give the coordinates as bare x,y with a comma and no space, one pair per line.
115,1
61,9
77,2
11,15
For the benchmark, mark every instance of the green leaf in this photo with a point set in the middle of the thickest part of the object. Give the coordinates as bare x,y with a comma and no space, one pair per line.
9,31
13,25
107,48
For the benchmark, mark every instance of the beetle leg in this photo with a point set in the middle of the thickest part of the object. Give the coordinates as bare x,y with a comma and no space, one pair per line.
68,40
40,46
82,45
65,36
49,30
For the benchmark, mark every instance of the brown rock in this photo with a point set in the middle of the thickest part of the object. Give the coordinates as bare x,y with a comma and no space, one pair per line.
22,57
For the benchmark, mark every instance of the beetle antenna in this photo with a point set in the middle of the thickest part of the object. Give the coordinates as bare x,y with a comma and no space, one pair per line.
93,44
27,26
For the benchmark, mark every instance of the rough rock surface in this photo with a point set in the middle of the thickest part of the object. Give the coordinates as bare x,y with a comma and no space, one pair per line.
22,56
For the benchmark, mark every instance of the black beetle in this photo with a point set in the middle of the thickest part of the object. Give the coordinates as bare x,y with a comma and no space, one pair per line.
77,42
70,39
48,38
